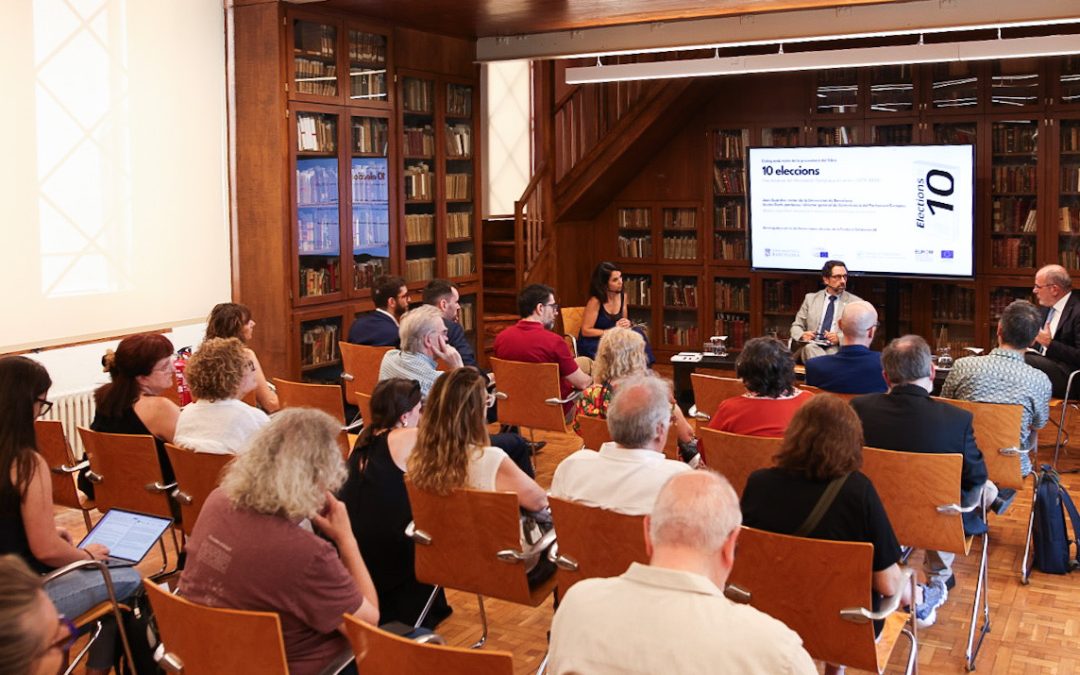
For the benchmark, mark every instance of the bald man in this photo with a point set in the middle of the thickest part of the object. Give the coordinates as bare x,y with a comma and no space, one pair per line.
854,369
1059,338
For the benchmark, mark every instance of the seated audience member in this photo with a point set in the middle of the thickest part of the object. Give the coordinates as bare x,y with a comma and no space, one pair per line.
671,616
378,504
822,446
627,473
907,419
604,310
854,369
531,340
27,526
767,369
443,295
218,422
453,449
380,327
1002,376
423,339
621,355
140,368
253,548
36,637
233,320
1059,338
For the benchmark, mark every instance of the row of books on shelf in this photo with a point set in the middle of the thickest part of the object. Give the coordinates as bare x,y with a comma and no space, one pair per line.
418,95
367,84
728,180
419,141
419,269
458,141
634,219
894,134
1069,258
458,100
458,186
1070,178
730,215
1014,178
316,185
1069,219
782,296
733,297
827,136
1001,297
315,77
316,133
680,247
369,181
317,232
371,227
314,38
418,181
780,137
1070,137
1014,137
367,47
729,247
680,294
467,316
680,219
320,280
1013,215
319,344
684,335
367,269
730,145
1013,252
638,290
419,228
370,135
460,264
459,224
635,247
733,326
952,303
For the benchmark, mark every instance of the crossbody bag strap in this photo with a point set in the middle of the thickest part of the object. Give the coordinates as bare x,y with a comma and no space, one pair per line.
823,504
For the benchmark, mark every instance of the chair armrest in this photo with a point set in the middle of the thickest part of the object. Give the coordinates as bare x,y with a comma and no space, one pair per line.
158,486
418,536
576,394
182,497
736,594
339,663
94,477
888,605
561,561
956,508
169,662
510,555
356,424
74,468
1014,451
347,377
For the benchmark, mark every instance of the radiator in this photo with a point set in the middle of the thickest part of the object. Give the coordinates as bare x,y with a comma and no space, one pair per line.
74,410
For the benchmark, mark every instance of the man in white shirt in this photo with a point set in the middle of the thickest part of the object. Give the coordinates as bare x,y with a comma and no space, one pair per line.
1059,339
628,472
671,616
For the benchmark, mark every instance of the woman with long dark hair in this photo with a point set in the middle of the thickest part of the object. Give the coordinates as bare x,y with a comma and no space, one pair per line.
604,310
378,504
27,527
233,320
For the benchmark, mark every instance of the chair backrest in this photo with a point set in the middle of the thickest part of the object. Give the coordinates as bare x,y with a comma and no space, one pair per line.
571,322
211,640
997,426
600,543
594,432
526,387
129,471
381,653
818,390
710,391
805,583
360,362
324,397
736,456
53,446
912,485
197,474
467,528
363,404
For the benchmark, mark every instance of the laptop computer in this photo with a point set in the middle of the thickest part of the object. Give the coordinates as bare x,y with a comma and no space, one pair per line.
128,535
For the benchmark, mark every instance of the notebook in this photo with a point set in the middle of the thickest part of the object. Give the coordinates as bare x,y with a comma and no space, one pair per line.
128,535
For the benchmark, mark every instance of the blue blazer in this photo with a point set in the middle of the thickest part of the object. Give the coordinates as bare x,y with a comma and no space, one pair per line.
853,370
456,338
374,329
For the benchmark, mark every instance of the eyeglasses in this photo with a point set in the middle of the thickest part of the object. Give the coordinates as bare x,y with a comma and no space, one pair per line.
68,633
167,367
838,276
553,305
46,406
1039,288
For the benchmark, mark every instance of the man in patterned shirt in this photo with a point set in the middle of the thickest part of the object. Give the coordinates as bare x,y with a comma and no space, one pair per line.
1002,376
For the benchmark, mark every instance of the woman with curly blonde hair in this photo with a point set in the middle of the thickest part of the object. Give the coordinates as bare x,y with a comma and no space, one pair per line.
218,422
252,548
621,355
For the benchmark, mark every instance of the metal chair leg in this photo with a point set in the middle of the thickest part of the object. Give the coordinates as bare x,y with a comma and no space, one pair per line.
982,593
483,620
1025,569
1061,423
913,653
543,664
427,606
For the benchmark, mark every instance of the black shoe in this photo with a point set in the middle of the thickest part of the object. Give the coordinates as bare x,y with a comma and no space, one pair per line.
535,447
950,583
1003,501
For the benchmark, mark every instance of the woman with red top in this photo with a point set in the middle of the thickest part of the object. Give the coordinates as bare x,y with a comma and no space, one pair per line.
767,368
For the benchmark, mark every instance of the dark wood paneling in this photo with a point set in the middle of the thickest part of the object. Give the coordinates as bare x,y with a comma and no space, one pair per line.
417,50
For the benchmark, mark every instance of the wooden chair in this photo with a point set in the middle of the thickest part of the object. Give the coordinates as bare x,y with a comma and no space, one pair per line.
921,495
571,321
594,433
594,542
197,474
529,395
97,612
710,391
360,368
324,397
820,589
381,653
126,474
63,467
736,456
470,540
363,403
818,390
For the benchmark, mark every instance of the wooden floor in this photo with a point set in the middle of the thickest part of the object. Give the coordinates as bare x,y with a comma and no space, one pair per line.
1035,628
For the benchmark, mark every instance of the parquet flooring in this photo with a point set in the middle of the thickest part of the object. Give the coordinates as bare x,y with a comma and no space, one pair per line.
1035,628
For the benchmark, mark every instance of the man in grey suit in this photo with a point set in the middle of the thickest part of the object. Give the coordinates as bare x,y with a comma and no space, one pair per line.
815,324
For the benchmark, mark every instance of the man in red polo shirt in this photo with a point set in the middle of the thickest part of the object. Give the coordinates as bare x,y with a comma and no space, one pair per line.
531,340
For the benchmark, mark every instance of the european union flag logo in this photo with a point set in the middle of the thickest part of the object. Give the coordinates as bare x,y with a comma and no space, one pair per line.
823,254
947,254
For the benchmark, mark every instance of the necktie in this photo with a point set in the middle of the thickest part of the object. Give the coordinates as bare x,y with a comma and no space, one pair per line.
826,322
1049,318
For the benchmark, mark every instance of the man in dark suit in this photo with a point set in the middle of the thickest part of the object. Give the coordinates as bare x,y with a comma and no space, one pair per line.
380,328
444,296
907,419
854,369
1059,339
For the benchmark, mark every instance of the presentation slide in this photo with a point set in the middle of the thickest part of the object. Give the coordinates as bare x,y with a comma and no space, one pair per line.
904,210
